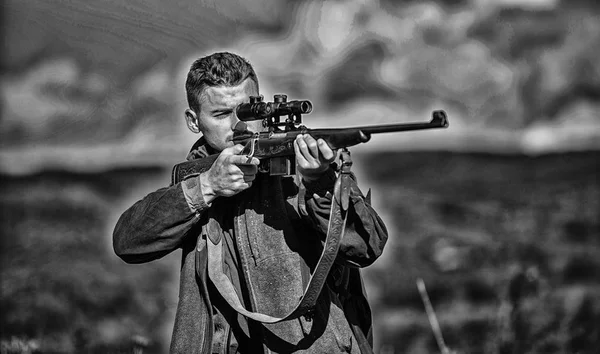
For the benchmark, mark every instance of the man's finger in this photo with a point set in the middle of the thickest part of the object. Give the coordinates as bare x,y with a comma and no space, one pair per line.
326,152
233,150
312,145
299,156
241,160
248,169
304,150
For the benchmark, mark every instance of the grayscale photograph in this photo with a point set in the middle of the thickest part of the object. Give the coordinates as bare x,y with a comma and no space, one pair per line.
300,177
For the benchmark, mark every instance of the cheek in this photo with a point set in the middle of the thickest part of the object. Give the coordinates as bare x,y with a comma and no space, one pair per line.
255,126
215,127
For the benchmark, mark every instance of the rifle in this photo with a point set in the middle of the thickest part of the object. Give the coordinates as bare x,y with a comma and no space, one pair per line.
275,146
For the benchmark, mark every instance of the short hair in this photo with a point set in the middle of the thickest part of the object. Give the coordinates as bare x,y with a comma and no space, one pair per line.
218,69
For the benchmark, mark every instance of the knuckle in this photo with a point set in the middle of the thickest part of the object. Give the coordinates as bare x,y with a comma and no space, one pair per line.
232,171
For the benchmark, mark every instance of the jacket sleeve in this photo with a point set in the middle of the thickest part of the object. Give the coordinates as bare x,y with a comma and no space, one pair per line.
156,225
365,234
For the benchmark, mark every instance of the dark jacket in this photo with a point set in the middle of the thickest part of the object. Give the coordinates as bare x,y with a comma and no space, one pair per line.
279,240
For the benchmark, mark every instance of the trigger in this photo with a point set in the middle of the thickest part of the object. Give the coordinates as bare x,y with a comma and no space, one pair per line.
252,150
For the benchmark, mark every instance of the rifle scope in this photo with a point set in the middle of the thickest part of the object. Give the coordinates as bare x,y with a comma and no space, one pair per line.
258,109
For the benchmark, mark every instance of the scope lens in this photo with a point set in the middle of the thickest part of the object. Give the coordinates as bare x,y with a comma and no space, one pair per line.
306,107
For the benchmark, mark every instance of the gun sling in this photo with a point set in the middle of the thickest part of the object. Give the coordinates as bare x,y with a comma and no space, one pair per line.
335,231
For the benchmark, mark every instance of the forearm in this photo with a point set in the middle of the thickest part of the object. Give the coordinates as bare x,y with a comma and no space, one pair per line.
365,234
365,237
157,224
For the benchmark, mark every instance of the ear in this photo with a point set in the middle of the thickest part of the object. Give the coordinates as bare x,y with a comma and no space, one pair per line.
192,121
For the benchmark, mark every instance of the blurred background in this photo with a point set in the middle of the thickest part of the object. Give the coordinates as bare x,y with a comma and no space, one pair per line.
499,214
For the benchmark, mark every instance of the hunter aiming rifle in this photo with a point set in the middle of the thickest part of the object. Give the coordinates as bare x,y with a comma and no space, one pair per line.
275,150
275,146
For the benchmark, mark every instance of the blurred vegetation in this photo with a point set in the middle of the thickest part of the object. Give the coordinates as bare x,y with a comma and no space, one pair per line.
63,290
508,246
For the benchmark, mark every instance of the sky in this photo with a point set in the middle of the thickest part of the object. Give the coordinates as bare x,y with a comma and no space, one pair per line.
100,84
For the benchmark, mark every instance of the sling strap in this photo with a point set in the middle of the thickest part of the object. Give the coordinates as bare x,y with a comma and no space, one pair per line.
306,305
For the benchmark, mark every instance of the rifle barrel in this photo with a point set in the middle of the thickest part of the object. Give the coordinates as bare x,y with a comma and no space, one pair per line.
439,120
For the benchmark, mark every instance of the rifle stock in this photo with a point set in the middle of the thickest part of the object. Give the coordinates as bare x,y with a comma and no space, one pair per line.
191,168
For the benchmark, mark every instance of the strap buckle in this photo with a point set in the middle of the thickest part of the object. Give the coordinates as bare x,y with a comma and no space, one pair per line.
342,188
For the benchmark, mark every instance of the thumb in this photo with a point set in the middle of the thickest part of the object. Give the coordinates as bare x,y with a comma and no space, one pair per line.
233,150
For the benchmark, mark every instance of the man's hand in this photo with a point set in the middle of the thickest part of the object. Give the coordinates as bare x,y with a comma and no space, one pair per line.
229,175
313,156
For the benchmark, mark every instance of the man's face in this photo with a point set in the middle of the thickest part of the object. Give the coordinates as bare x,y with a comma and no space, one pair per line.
217,117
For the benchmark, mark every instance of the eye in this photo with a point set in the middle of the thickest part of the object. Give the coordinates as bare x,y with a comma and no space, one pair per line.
223,114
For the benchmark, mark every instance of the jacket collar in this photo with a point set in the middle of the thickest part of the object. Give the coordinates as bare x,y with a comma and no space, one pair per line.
200,149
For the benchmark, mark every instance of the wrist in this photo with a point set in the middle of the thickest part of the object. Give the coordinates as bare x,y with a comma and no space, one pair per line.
208,193
321,183
310,178
313,175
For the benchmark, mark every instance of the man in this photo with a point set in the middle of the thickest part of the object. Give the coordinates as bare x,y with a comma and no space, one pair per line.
271,230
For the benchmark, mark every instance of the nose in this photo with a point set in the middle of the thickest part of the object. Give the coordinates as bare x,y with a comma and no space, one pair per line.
235,122
235,119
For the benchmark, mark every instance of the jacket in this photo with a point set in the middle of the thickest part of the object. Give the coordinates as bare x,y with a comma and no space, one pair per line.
277,228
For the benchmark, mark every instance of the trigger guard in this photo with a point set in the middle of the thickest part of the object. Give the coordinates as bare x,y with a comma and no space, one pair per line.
253,143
